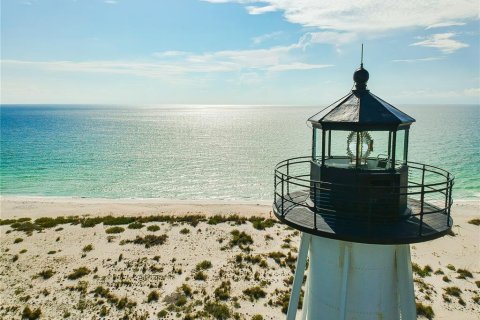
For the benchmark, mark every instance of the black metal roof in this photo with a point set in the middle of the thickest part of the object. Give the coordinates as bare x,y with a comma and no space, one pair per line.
361,110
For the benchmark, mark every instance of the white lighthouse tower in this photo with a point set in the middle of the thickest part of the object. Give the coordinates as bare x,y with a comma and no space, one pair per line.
359,202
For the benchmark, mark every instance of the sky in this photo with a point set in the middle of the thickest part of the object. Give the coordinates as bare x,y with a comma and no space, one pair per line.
231,52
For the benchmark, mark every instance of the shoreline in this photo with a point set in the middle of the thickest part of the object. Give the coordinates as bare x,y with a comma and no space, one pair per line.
40,206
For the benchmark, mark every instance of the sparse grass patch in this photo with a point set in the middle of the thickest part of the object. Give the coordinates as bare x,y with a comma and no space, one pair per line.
149,240
451,267
87,248
240,239
475,222
31,314
135,225
153,228
257,317
219,311
152,296
223,291
22,251
425,272
17,240
46,274
185,231
425,311
262,224
453,291
78,273
438,272
114,230
254,293
204,265
200,275
464,273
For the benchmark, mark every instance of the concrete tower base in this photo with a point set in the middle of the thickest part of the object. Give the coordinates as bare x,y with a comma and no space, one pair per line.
353,281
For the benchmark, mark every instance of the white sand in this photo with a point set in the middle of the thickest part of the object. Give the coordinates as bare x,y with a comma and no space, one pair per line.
204,242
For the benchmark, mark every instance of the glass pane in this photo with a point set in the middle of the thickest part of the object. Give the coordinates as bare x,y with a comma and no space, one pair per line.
399,150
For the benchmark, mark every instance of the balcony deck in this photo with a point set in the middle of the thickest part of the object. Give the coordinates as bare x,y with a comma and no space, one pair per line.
427,217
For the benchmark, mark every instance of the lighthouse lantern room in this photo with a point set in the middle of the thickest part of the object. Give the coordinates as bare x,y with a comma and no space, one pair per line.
359,202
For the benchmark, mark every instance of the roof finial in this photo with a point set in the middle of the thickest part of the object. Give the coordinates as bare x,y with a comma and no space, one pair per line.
361,59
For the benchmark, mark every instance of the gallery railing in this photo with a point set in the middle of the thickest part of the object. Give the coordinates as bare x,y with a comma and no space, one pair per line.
429,188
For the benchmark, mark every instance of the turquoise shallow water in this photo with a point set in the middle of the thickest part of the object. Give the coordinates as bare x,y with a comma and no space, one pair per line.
196,152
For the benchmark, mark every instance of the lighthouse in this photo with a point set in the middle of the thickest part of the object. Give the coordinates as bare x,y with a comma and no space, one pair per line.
359,202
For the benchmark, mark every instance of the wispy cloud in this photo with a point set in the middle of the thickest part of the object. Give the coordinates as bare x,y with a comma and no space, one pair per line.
265,37
374,16
110,1
446,24
178,63
419,59
442,42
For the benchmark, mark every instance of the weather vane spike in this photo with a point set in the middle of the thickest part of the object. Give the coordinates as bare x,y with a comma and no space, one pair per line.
361,59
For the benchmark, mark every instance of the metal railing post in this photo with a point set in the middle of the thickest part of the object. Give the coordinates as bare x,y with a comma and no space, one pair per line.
446,199
283,196
288,176
275,188
315,205
422,199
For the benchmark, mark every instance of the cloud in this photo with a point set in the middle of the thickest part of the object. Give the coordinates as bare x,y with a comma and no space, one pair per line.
265,37
419,59
442,42
110,1
177,63
373,16
260,10
297,66
446,24
329,37
472,92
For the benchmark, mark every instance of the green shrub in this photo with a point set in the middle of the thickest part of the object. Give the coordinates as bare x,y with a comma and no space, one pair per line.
240,239
451,267
262,224
114,230
153,296
453,291
135,225
88,248
223,291
423,310
475,222
46,274
149,240
257,317
464,273
446,279
421,272
78,273
31,314
153,228
185,231
204,265
186,289
254,293
17,240
200,275
217,310
162,314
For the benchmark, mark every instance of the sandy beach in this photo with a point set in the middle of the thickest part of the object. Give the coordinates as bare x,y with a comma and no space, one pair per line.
199,266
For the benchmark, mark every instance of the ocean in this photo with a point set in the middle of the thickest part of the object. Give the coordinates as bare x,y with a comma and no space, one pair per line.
196,152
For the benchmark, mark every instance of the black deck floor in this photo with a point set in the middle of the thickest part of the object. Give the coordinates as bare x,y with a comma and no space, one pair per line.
298,213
